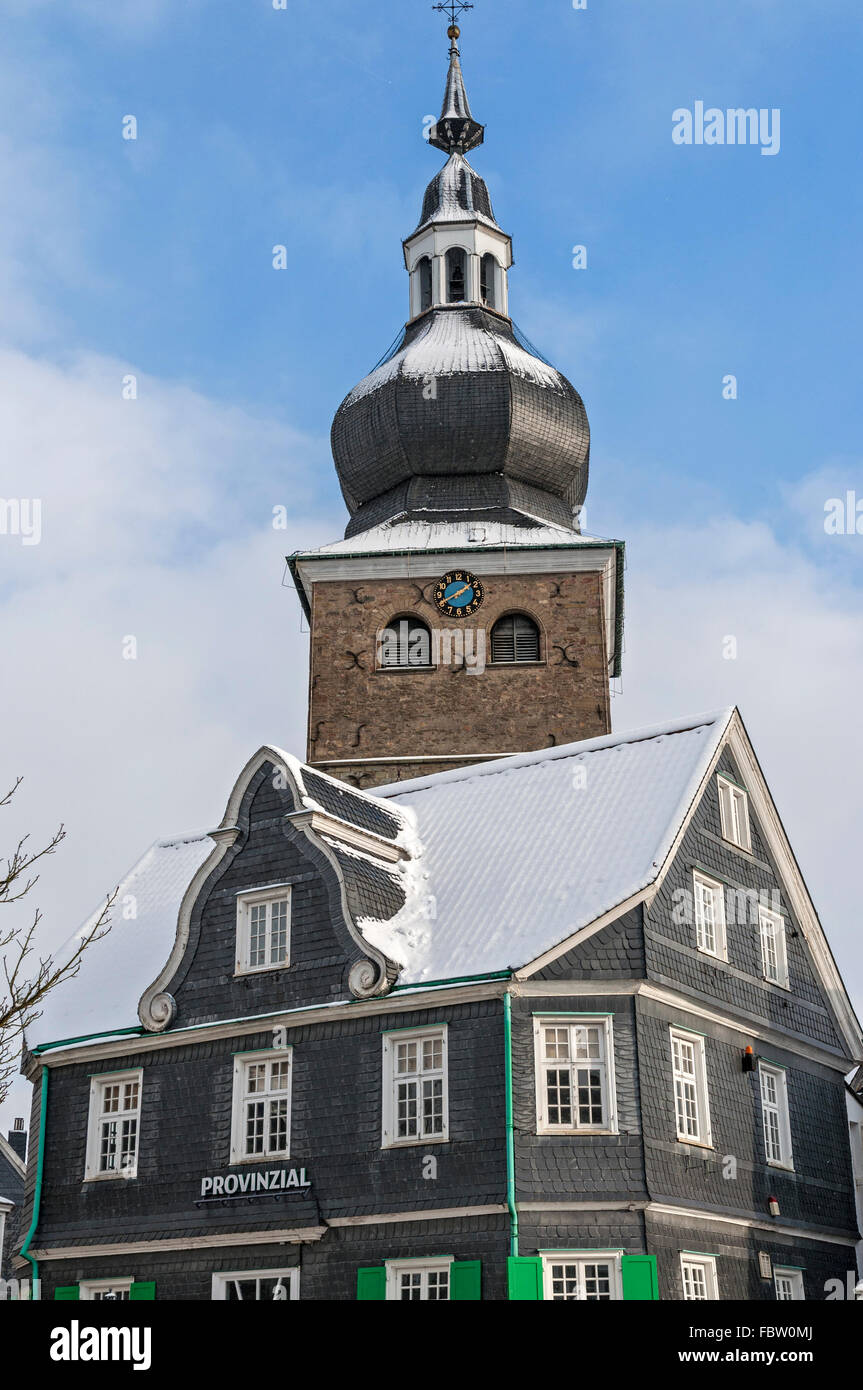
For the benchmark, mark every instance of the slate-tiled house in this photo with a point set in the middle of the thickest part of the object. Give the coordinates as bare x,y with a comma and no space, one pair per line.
430,1016
482,1034
12,1156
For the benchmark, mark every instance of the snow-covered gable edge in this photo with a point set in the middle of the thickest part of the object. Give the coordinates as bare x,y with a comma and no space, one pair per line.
733,735
374,973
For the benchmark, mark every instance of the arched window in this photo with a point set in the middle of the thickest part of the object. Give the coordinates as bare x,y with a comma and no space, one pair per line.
515,638
488,266
404,643
455,275
424,274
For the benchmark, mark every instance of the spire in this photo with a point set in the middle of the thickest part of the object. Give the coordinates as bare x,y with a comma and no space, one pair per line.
456,131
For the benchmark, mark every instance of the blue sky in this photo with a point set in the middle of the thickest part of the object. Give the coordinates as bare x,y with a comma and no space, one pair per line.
304,127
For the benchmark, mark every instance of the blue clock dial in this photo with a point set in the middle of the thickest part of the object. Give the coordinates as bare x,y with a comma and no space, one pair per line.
458,594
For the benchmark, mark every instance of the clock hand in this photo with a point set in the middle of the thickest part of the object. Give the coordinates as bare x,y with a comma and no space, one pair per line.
458,593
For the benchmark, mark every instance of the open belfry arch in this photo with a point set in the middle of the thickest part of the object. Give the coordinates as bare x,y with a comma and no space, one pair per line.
463,459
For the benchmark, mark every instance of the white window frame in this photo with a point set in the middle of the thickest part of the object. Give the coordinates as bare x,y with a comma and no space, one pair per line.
396,1268
771,925
795,1279
89,1288
702,886
289,1277
246,900
389,1125
242,1062
97,1115
779,1109
571,1022
579,1258
697,1079
734,814
706,1264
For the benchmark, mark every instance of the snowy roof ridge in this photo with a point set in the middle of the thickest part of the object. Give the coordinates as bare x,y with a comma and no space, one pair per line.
417,534
563,750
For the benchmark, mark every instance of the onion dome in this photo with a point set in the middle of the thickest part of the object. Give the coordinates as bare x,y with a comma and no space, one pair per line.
463,420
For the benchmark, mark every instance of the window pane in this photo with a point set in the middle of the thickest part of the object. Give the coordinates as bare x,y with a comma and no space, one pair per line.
559,1096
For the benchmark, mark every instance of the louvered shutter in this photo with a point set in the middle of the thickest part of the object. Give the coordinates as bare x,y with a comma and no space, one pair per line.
515,638
526,640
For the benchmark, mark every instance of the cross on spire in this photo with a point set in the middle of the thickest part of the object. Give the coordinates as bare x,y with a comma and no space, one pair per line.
453,8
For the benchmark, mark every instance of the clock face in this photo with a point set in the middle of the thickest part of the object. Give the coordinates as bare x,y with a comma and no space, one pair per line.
459,594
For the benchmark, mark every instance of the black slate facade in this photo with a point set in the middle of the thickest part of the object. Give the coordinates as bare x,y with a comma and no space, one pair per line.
637,1194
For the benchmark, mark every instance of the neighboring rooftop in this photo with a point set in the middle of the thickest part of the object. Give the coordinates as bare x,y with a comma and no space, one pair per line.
558,838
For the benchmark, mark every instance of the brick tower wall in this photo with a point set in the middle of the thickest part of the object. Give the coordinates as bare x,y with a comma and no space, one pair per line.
358,711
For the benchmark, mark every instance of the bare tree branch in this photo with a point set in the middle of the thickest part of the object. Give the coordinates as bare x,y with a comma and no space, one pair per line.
27,979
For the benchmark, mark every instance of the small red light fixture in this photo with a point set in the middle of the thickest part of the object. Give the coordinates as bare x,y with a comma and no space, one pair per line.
773,1206
748,1059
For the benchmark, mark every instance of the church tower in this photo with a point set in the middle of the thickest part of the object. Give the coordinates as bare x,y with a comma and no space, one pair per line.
465,616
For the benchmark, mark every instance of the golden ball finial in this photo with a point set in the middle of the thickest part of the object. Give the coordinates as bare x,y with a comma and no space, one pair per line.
453,32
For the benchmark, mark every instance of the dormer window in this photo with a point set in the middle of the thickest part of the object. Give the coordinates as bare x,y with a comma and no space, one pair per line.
488,266
263,930
424,274
455,275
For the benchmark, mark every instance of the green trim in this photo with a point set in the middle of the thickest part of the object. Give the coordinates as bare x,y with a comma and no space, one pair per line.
510,1127
262,1018
89,1037
639,1277
586,1250
119,1071
780,1066
684,1027
410,1028
702,1254
800,1269
572,1013
40,1166
524,1278
145,1290
263,1051
465,1281
455,980
740,787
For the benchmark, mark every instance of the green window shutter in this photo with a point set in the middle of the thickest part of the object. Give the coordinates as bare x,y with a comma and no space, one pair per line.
464,1280
525,1277
67,1291
372,1283
639,1276
147,1291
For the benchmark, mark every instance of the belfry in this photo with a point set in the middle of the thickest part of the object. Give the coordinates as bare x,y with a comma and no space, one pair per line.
463,460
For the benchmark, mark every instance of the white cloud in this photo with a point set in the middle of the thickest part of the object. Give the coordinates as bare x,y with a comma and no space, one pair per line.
157,522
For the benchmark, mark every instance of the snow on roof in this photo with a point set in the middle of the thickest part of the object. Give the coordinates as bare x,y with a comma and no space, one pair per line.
520,853
506,860
449,344
116,970
391,537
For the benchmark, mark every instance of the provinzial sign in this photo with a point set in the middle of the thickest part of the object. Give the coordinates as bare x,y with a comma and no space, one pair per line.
267,1180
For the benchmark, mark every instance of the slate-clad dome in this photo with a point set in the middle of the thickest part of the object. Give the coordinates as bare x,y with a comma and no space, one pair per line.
455,193
495,412
462,418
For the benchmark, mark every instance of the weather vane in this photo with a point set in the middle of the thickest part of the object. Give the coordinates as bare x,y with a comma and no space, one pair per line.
453,8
